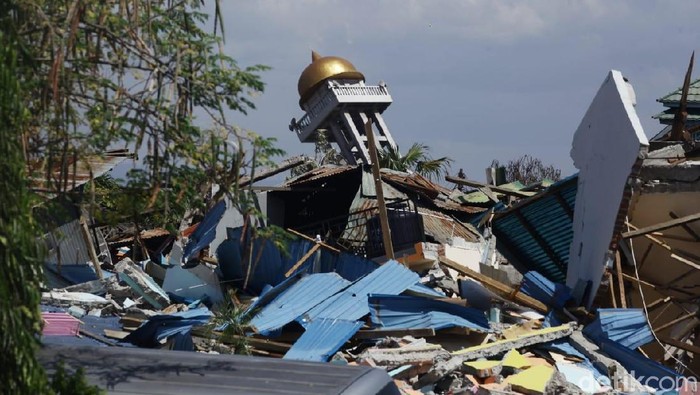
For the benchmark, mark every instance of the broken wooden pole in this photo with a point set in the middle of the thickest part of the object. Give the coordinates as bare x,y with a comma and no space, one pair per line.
503,290
383,218
674,322
620,280
303,259
90,247
661,226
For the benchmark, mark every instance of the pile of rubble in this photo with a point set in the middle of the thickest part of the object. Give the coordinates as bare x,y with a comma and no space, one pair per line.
501,289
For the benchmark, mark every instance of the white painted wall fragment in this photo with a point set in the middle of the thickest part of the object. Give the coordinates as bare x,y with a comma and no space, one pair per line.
606,146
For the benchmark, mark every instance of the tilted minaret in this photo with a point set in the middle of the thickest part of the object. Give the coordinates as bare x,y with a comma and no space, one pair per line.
334,97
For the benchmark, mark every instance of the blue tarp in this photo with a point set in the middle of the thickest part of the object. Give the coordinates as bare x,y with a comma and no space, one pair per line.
394,312
322,339
159,327
206,230
546,291
627,327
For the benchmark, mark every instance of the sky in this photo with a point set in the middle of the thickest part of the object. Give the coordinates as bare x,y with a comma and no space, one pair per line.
474,80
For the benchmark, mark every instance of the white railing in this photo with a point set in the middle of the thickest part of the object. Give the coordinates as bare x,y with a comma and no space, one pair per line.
340,92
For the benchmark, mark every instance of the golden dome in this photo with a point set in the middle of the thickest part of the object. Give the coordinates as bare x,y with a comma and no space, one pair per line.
321,69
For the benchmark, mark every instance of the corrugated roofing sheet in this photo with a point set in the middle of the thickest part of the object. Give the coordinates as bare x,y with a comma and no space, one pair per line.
392,278
206,231
394,312
322,339
319,173
546,291
638,365
443,228
296,300
674,97
79,173
549,214
478,197
627,327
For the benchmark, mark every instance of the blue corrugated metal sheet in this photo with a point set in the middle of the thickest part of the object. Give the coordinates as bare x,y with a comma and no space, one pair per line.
392,278
546,291
296,300
206,230
391,311
160,327
419,289
650,372
627,327
552,222
322,339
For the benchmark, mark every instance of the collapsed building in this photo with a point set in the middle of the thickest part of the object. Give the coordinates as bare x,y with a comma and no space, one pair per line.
584,285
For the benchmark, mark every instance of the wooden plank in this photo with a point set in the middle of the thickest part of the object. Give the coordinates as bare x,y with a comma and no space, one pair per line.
612,290
303,259
685,227
661,226
261,344
682,345
322,244
498,287
380,333
112,334
620,280
90,247
674,322
383,219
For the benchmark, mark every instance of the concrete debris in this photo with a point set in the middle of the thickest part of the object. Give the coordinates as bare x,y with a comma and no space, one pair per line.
584,285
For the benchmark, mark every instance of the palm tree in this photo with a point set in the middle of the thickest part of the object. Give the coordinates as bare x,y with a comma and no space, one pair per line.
416,159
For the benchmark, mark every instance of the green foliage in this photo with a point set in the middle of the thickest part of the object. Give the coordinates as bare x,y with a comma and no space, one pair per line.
236,319
416,159
145,74
65,383
20,268
78,77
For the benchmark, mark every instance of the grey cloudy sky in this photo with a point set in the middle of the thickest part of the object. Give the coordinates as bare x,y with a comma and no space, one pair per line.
475,80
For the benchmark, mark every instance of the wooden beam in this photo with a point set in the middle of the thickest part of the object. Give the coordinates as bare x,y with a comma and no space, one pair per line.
540,241
383,218
503,290
90,247
266,173
658,302
676,253
680,344
303,259
476,184
674,322
381,333
322,244
661,226
620,280
261,344
612,290
685,227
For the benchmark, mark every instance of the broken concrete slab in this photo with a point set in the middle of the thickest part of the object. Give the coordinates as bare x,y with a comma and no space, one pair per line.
502,346
622,379
141,283
68,299
394,357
